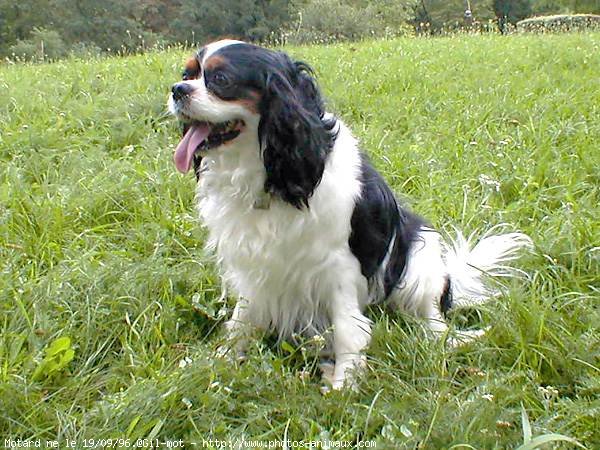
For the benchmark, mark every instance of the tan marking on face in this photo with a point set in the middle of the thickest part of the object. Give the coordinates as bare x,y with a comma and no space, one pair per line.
213,62
251,103
192,66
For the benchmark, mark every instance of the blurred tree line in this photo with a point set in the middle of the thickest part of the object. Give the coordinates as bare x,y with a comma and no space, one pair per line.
56,28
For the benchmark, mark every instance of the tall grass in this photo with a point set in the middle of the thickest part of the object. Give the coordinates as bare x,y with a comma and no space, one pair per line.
100,244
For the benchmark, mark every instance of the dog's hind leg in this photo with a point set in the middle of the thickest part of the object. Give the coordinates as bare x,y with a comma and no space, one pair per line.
438,327
424,282
441,276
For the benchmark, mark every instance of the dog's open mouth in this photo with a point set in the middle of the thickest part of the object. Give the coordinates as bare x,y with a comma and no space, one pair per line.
203,136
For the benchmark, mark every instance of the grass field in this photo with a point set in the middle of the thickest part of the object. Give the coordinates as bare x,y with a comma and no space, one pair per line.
110,311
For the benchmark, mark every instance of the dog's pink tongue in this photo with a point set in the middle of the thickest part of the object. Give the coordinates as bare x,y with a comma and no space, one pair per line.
184,153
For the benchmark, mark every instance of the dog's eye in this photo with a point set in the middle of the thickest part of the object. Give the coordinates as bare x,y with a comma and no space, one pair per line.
220,79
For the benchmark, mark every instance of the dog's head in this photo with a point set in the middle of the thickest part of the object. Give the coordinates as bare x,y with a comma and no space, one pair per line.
232,90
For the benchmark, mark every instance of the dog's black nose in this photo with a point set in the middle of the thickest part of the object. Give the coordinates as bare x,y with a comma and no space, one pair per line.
180,90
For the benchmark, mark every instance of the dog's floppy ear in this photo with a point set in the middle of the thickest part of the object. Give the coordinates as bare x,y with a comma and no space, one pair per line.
295,138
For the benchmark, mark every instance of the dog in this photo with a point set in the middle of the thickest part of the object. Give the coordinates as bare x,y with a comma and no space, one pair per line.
306,232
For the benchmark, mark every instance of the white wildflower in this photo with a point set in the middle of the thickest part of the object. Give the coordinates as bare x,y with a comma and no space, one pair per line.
486,180
488,397
185,362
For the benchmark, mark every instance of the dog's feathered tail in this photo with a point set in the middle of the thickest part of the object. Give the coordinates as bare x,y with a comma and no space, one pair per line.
470,268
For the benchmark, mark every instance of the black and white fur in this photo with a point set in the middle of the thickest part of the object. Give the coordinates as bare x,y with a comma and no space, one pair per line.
306,232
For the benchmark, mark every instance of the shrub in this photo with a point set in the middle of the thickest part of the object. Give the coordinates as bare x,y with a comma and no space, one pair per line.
43,44
84,50
323,21
560,23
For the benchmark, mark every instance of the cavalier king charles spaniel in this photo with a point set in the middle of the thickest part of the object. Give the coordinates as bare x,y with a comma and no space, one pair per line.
306,232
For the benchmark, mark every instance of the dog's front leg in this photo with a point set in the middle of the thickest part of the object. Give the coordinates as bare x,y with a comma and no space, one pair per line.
238,330
351,334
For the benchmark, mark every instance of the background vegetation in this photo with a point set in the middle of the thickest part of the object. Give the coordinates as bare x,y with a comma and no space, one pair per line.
50,29
110,310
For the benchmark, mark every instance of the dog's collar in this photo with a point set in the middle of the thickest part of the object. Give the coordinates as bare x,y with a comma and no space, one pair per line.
263,201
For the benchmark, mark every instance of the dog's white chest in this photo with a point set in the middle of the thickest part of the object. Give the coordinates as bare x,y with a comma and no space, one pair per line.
287,263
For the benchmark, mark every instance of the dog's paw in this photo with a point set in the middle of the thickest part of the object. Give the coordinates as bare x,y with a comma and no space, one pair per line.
461,338
230,354
327,368
349,380
339,385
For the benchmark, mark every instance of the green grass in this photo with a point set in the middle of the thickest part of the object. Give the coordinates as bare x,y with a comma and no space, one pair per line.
99,243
